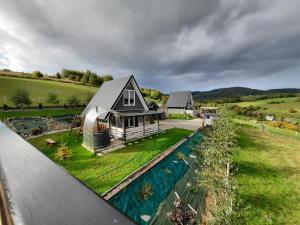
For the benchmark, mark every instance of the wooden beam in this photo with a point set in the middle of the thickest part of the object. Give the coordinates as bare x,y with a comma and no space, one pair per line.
157,118
124,129
143,125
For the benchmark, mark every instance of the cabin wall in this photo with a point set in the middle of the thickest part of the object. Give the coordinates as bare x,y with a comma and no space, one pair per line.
175,110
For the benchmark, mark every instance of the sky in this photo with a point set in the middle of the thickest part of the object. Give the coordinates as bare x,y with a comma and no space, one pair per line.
168,45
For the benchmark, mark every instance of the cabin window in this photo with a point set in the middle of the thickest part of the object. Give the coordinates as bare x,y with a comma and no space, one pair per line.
130,122
129,98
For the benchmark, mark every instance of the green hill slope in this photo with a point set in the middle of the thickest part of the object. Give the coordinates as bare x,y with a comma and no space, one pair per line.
238,91
39,89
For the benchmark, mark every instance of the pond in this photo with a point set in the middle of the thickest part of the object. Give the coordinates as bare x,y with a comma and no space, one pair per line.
26,126
141,199
35,126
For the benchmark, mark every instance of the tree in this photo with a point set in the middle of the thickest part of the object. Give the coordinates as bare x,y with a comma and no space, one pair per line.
85,78
58,76
93,79
107,77
74,101
21,98
37,74
52,99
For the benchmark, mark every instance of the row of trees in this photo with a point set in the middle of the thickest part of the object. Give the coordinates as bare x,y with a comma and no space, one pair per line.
21,99
152,94
86,77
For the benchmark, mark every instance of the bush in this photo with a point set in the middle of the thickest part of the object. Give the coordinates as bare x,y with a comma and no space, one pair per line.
283,125
40,106
291,110
58,76
37,74
74,101
21,98
52,99
5,107
63,153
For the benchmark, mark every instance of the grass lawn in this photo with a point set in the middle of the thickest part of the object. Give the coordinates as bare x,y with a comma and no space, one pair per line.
39,89
269,174
180,116
101,173
280,109
40,112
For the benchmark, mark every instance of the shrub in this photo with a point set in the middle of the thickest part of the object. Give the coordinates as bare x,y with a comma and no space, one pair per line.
283,125
5,107
58,76
291,110
52,99
145,192
74,101
63,153
37,74
40,106
21,98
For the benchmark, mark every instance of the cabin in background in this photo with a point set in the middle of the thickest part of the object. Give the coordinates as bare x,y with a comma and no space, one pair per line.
181,102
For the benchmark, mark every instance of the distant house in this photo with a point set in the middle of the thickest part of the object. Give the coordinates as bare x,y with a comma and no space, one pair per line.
181,102
270,118
120,105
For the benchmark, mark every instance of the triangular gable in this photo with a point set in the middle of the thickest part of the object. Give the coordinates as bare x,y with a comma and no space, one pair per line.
140,102
109,93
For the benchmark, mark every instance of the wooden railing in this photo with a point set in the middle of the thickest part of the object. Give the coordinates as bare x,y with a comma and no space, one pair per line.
136,132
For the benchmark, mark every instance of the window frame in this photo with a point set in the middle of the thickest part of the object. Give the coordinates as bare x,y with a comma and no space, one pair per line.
133,121
130,93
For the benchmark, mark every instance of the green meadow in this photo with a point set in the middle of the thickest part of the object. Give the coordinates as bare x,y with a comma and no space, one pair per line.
39,89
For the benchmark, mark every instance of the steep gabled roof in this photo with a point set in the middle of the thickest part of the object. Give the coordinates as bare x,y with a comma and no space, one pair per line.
40,192
178,99
108,94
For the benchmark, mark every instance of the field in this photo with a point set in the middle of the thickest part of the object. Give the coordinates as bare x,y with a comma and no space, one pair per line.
268,173
280,109
39,89
101,173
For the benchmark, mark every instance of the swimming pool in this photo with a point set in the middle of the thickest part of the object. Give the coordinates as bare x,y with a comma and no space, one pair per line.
141,205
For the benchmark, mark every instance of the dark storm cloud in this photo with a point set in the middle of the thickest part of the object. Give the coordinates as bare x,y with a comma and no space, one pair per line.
170,44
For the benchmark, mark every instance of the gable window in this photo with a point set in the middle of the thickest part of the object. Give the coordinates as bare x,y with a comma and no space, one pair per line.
129,98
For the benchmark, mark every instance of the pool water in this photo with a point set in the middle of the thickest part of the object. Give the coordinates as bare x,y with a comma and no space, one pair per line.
161,179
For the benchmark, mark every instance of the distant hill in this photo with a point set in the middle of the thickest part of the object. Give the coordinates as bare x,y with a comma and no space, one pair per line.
238,92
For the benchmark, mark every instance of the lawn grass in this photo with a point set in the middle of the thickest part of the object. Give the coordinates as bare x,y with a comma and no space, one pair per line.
269,174
101,173
280,109
39,89
40,112
178,116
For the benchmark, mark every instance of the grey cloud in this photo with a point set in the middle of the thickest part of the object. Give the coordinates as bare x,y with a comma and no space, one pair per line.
167,44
